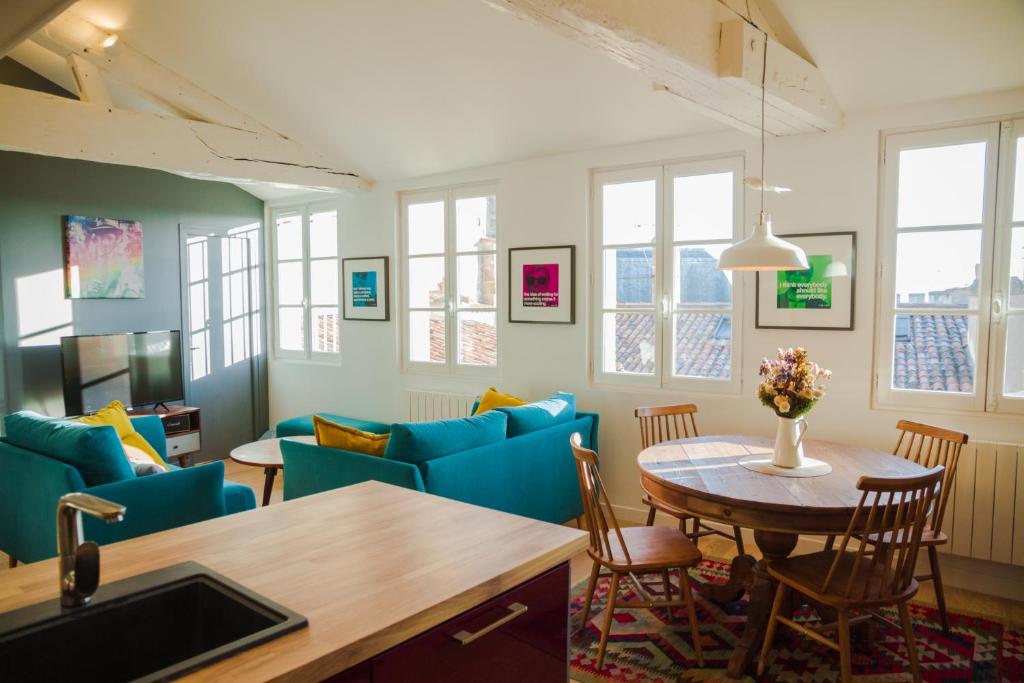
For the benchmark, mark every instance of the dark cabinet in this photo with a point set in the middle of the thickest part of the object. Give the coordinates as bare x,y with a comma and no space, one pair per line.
521,635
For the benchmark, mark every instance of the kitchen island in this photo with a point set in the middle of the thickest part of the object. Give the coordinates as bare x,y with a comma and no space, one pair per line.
382,574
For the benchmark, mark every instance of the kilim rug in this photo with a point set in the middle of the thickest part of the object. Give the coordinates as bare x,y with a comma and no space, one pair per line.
646,647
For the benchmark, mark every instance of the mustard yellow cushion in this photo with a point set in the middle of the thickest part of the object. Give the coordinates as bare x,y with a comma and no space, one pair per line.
116,416
333,435
493,398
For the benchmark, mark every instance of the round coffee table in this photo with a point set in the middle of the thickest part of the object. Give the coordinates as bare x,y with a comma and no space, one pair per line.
266,453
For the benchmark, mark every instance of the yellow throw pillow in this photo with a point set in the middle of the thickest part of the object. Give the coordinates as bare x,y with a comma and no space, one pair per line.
333,435
116,416
493,398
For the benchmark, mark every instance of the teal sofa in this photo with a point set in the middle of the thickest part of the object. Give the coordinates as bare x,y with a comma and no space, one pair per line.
32,482
532,474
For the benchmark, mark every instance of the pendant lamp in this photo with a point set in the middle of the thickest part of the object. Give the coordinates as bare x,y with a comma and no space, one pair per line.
763,250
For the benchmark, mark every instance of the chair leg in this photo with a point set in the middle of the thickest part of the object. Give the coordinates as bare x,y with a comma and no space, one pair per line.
696,531
738,534
609,610
769,634
591,587
940,596
830,542
845,649
908,635
650,516
12,561
691,614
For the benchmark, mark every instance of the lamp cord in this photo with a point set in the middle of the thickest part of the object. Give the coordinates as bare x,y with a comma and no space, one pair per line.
764,70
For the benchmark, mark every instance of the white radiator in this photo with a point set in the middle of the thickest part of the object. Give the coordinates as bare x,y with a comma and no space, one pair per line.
985,513
423,406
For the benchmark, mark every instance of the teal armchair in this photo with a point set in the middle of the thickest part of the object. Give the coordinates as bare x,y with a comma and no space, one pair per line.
31,483
533,475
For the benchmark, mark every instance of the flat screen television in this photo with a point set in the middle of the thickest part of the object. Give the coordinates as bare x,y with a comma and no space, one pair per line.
136,368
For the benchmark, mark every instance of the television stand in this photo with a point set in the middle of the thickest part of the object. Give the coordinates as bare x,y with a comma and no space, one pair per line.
182,427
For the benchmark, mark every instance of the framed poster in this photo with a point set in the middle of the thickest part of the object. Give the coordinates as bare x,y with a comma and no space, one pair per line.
365,288
103,258
542,285
819,298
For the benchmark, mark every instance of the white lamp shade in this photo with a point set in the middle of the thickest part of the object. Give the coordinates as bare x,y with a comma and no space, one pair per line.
763,251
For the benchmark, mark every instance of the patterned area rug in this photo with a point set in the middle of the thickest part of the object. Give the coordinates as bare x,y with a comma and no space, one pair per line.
646,647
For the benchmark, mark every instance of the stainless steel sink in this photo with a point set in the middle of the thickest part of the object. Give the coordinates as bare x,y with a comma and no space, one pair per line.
152,627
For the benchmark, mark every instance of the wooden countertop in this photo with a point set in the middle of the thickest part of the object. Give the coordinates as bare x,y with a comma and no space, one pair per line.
370,566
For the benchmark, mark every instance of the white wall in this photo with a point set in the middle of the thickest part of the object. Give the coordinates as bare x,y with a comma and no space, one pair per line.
545,201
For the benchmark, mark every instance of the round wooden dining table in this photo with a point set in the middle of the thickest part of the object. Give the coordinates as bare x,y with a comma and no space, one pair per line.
702,477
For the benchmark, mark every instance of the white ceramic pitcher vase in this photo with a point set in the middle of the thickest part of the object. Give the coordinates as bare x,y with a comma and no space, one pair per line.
789,450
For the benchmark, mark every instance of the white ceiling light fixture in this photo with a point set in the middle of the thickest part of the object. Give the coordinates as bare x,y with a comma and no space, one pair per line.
110,41
763,250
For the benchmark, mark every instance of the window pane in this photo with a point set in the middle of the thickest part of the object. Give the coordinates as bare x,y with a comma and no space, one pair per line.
698,281
426,228
702,207
629,343
197,253
475,224
938,269
198,304
426,282
629,212
935,352
323,234
1018,183
941,185
702,345
289,237
325,329
478,338
1017,268
290,334
289,283
628,277
1013,367
323,281
426,336
477,281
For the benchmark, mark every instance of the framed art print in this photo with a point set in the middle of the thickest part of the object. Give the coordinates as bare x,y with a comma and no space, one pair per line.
819,298
103,258
542,285
365,286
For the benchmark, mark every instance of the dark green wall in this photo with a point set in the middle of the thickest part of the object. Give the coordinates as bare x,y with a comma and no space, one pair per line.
35,192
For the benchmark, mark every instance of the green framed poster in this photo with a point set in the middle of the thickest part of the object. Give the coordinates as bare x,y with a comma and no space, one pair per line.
819,298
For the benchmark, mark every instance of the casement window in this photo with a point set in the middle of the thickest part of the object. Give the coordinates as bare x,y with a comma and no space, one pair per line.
950,329
450,280
306,282
664,313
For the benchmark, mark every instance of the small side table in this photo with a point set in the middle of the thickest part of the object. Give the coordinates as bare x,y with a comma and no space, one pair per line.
266,453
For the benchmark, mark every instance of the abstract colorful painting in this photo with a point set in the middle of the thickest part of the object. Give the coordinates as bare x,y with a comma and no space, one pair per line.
103,258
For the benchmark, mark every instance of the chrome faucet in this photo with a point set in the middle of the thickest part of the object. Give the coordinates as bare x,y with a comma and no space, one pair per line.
79,565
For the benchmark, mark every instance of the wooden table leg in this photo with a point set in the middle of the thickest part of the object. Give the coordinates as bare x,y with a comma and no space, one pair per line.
773,546
268,484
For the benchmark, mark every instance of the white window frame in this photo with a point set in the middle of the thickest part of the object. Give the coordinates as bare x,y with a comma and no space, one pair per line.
305,211
993,281
665,292
449,195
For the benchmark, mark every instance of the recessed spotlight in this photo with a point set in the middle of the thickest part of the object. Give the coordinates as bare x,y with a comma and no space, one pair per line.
110,40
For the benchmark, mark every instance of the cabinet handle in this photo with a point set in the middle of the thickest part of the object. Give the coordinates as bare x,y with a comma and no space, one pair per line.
516,609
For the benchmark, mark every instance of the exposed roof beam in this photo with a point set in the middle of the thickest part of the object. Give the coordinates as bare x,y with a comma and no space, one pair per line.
700,51
55,126
22,18
70,34
89,81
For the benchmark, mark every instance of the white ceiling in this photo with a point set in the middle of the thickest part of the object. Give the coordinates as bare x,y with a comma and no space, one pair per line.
402,88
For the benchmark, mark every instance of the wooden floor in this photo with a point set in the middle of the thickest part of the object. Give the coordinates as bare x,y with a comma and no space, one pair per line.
957,599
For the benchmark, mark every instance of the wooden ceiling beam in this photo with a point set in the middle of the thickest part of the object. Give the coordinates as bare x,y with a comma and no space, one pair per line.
701,51
19,19
38,123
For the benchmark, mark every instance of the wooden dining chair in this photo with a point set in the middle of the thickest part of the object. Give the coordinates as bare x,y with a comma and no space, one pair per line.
662,423
628,552
929,446
862,575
